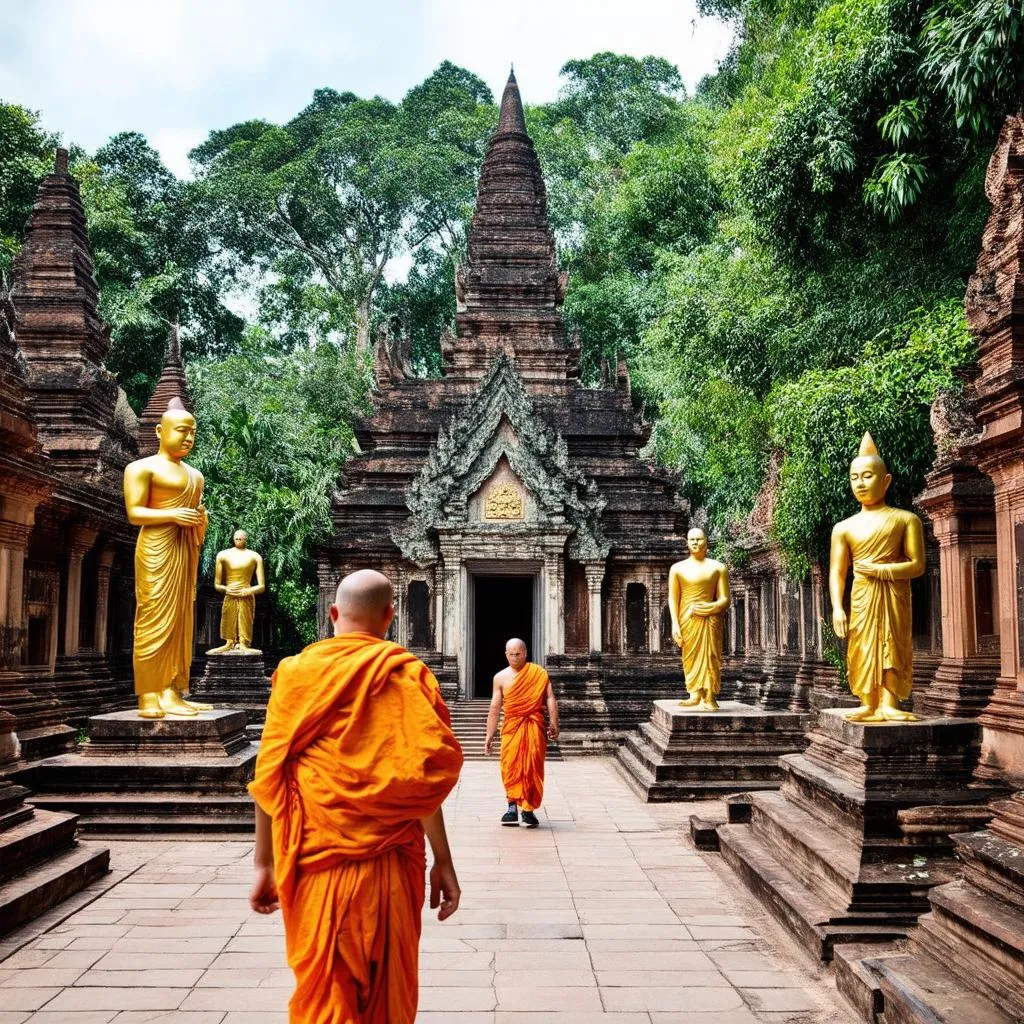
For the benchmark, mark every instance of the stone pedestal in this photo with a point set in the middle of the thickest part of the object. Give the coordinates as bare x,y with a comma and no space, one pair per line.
153,775
235,681
849,847
41,864
685,754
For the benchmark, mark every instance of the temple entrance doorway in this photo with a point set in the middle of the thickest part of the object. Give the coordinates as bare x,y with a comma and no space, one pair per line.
503,607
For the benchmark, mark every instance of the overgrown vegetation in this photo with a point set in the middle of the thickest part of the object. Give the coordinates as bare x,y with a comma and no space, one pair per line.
782,257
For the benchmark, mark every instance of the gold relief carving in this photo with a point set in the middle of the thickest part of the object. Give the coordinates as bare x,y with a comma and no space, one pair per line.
504,502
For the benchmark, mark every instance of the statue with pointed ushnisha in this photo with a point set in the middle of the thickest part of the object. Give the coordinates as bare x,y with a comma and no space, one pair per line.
885,547
163,496
232,577
698,589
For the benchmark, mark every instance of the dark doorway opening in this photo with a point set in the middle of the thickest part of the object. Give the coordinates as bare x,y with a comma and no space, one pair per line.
503,608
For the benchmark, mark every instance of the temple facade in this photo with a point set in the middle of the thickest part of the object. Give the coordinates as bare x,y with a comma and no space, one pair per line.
505,498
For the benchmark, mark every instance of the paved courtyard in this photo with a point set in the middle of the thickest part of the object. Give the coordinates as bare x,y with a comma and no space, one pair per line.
604,913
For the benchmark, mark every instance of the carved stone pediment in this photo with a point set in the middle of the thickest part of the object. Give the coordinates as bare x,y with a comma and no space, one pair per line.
497,442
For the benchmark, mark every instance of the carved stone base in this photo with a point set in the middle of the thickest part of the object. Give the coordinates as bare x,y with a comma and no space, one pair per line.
959,689
858,834
41,863
235,681
686,754
155,775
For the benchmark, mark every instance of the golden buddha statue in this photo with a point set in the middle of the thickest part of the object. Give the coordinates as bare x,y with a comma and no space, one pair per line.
886,549
232,577
698,595
163,496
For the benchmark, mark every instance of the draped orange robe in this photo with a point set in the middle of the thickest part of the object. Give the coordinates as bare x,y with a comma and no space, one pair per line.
356,749
523,739
166,565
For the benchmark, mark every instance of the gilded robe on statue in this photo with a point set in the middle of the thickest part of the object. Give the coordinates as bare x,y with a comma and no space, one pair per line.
702,640
166,564
880,636
237,616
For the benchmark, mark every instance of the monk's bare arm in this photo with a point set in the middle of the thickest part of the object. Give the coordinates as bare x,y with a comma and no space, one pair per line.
136,496
263,895
444,885
913,548
492,717
838,567
553,729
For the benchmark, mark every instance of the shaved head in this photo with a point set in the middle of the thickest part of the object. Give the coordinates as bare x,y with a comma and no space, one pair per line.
515,653
515,642
364,603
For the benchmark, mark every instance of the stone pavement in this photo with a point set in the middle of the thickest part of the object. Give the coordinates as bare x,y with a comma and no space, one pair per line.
604,913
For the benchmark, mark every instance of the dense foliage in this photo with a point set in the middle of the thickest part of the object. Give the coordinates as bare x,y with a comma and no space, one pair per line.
781,255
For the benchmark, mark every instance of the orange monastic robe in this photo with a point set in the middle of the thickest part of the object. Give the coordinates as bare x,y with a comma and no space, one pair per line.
357,747
523,739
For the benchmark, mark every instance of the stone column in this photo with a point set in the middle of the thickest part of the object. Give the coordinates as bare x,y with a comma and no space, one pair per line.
106,562
959,503
13,628
595,577
554,590
80,540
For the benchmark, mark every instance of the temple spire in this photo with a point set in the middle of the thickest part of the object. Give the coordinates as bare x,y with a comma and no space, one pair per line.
172,386
511,118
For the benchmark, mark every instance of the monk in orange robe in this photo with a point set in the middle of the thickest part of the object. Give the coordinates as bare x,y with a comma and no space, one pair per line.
524,689
356,758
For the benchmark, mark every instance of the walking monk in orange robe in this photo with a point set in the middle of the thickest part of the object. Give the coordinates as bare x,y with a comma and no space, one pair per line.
356,758
524,688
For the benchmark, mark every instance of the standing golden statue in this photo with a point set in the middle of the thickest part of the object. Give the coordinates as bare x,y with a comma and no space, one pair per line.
886,548
164,497
232,577
698,589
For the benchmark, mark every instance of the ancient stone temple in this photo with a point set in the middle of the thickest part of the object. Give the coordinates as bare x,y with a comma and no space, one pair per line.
66,433
507,499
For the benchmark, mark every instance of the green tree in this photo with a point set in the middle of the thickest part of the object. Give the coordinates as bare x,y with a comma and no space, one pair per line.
274,431
26,156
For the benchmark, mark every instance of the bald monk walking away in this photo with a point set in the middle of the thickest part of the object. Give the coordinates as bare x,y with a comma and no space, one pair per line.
356,758
523,688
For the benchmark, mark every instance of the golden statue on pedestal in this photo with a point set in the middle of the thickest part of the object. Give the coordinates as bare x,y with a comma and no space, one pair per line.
886,548
163,496
698,595
232,577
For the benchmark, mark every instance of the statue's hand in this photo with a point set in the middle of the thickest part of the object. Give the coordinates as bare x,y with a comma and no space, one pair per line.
839,622
702,609
186,517
237,590
677,636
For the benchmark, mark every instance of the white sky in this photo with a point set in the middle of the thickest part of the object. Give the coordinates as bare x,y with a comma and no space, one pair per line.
176,69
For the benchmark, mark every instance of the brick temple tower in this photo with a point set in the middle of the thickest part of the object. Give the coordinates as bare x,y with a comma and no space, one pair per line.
505,498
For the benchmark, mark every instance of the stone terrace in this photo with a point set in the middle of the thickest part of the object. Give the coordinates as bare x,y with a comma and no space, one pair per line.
605,913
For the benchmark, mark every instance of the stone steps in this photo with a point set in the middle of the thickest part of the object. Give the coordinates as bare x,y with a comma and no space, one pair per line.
809,918
33,839
124,814
31,894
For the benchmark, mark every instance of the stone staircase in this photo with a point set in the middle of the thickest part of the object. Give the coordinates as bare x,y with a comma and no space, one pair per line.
469,722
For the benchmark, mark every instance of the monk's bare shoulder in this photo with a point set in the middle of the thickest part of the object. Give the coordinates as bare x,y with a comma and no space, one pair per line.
504,677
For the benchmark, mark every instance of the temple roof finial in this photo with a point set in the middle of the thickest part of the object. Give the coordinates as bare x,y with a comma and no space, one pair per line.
511,118
60,163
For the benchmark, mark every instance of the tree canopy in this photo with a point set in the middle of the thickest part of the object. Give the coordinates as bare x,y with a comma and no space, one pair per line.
781,255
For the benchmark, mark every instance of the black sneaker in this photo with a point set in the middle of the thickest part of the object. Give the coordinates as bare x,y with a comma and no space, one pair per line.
530,819
511,816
